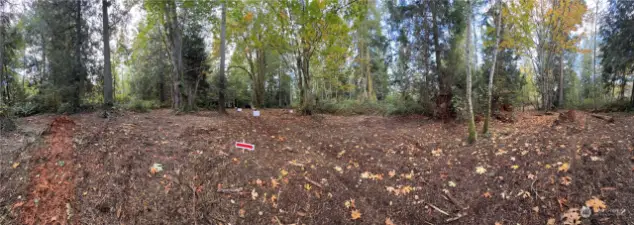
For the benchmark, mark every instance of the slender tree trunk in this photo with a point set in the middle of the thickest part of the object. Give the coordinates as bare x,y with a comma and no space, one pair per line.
473,136
221,78
632,95
623,82
594,54
561,80
498,27
77,67
107,74
43,72
1,59
368,72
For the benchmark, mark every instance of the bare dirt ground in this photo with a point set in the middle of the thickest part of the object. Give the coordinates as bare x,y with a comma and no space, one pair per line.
315,170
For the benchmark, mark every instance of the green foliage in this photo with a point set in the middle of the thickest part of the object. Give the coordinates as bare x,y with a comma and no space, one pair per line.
139,105
24,109
391,106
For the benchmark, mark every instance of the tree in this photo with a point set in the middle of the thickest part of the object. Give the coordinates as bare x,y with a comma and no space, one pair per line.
498,26
540,30
308,25
618,34
107,74
221,78
473,136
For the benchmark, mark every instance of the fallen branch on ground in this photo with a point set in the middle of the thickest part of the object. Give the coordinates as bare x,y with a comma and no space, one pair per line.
460,215
608,119
448,195
438,209
313,182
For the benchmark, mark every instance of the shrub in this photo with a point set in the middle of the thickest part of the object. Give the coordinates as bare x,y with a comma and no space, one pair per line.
65,108
351,107
25,109
139,105
406,107
6,121
386,107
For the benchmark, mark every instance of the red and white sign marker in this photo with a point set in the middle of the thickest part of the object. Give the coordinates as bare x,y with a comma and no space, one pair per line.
246,146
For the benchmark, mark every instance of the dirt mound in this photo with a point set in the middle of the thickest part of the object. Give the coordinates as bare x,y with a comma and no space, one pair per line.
52,181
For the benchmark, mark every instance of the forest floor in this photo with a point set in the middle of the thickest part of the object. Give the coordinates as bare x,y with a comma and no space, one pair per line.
161,168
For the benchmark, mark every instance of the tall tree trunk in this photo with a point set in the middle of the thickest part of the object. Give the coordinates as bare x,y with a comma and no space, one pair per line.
561,80
221,78
1,58
594,54
43,72
107,74
77,67
259,77
623,82
176,50
473,136
498,27
368,72
632,95
443,101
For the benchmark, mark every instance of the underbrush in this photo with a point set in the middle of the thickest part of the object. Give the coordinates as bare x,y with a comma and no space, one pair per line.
139,105
354,107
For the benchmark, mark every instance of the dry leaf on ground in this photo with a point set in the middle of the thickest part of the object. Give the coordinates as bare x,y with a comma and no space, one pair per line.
355,214
596,204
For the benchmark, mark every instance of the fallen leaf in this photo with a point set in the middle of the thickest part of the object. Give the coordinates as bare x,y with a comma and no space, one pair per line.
274,201
486,194
391,173
551,221
349,203
339,169
355,214
498,223
480,170
15,165
596,204
274,183
515,166
254,194
571,217
406,189
564,167
283,172
157,167
307,187
241,213
258,182
388,221
565,180
452,184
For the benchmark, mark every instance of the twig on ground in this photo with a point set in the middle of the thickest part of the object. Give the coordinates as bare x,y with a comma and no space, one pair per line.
278,220
453,200
229,190
438,209
313,182
194,205
428,222
296,164
458,216
533,188
217,219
